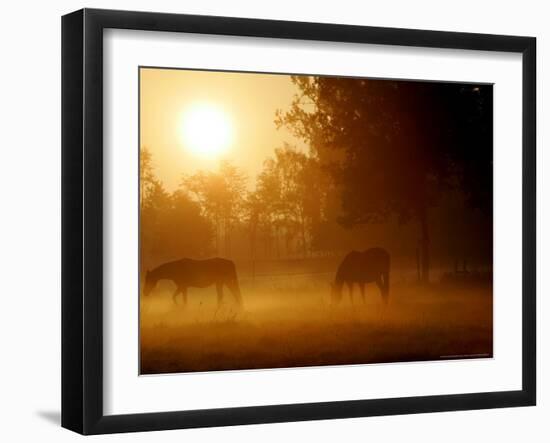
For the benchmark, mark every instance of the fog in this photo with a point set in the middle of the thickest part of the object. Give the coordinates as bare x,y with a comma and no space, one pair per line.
340,166
290,321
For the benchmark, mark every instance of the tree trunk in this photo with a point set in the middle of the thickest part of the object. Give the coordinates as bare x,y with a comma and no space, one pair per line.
303,229
424,246
253,251
227,237
253,242
218,233
277,250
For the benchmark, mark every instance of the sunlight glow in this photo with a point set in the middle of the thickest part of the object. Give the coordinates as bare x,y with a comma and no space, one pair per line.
206,130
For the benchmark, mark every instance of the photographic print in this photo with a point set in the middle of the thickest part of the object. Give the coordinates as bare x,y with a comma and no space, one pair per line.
297,220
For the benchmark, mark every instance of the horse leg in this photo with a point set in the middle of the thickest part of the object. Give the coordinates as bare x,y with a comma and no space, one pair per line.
175,294
184,295
233,286
219,290
382,288
350,288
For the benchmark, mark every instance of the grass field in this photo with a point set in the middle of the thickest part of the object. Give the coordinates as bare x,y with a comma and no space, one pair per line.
290,322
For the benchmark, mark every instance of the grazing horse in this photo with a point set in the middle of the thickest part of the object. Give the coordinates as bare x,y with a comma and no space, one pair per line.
370,266
188,273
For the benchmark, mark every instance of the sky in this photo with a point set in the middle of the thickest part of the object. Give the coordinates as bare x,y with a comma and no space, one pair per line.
246,101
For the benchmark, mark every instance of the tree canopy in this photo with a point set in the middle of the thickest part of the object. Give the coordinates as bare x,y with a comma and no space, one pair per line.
395,145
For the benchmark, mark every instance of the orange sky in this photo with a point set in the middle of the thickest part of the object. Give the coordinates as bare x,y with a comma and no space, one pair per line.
249,101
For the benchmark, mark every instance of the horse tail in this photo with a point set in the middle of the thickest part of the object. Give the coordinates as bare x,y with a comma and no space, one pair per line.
235,288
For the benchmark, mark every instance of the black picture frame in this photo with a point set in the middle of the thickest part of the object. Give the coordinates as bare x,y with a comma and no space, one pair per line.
82,219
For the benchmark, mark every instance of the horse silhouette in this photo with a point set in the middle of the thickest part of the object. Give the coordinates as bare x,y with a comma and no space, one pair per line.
362,267
188,273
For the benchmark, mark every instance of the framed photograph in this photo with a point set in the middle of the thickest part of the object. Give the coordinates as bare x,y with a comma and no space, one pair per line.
269,221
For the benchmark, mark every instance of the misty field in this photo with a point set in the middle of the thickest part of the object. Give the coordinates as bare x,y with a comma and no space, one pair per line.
283,184
290,322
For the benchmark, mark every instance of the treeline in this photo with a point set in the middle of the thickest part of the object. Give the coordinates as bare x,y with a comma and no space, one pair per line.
218,213
403,165
399,148
291,211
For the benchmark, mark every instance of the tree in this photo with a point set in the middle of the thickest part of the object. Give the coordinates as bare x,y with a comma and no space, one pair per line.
221,196
291,192
147,180
255,213
286,169
171,225
269,197
184,229
394,145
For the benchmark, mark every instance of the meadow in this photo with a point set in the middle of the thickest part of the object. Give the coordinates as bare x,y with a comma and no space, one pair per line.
289,321
286,176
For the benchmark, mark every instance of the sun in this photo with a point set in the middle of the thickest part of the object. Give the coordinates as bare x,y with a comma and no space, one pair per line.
206,130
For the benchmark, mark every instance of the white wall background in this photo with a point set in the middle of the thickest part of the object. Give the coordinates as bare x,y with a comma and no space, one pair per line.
30,218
